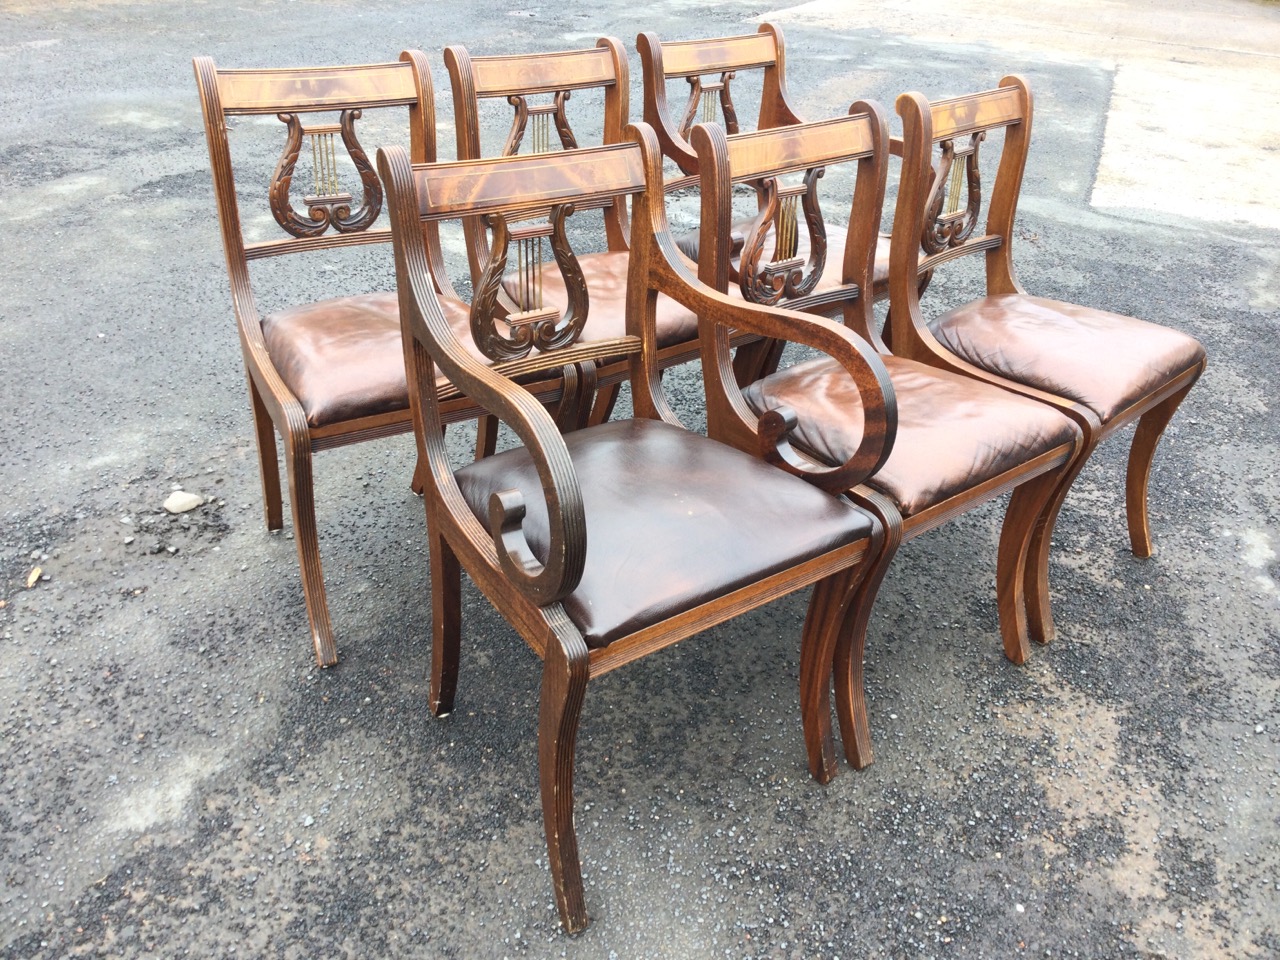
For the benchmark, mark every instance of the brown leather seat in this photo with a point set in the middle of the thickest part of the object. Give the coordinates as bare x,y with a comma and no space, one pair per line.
744,520
606,279
953,433
1103,360
343,358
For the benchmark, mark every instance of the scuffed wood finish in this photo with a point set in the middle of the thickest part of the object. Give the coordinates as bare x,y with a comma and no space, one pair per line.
530,589
1006,111
860,139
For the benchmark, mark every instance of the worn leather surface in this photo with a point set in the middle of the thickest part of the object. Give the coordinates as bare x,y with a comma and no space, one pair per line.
673,520
342,358
953,432
1103,360
605,275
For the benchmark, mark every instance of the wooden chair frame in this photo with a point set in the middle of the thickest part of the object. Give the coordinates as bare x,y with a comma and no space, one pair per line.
693,60
1009,107
527,590
517,78
296,93
862,138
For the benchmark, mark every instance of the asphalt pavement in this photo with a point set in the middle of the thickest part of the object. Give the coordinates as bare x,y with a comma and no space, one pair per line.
178,779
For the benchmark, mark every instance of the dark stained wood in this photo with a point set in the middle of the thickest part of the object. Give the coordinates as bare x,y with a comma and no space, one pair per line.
530,589
860,139
930,132
329,222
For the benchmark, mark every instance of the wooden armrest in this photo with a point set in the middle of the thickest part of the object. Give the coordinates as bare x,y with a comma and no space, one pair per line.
772,430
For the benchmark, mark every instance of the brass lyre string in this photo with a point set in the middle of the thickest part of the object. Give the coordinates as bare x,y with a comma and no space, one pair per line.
315,164
787,228
708,106
958,165
541,133
539,273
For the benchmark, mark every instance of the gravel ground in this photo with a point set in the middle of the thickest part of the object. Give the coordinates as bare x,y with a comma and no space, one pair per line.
178,779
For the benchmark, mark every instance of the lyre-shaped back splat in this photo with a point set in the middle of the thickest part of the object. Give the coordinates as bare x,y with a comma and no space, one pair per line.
703,99
329,205
502,335
951,226
785,275
543,115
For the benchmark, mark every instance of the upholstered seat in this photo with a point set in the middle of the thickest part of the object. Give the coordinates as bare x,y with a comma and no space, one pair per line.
953,433
343,358
747,519
605,275
1105,361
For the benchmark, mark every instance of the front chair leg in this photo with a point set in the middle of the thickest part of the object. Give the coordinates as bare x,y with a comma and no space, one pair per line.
268,460
564,686
1145,439
851,702
824,624
446,625
302,498
1027,505
486,435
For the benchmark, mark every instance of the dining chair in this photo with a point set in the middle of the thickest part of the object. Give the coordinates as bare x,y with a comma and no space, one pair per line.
539,88
1102,369
607,543
327,372
959,443
711,67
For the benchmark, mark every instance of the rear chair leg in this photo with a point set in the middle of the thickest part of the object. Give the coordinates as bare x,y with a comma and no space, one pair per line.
1145,439
1040,624
564,686
828,613
446,625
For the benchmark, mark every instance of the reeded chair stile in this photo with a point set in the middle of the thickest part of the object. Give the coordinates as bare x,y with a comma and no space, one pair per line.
607,543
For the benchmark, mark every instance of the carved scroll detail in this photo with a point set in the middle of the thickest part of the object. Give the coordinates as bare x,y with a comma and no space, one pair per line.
504,336
702,98
328,207
542,115
953,226
786,275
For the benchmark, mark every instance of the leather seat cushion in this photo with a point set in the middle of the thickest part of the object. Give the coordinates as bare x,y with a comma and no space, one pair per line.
673,520
1103,360
343,358
606,278
953,432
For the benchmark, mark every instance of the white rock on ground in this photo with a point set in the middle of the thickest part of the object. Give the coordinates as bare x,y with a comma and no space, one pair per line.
180,501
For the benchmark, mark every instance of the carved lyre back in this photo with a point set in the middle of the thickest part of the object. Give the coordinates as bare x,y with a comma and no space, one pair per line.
941,189
797,153
324,191
527,198
710,68
539,88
